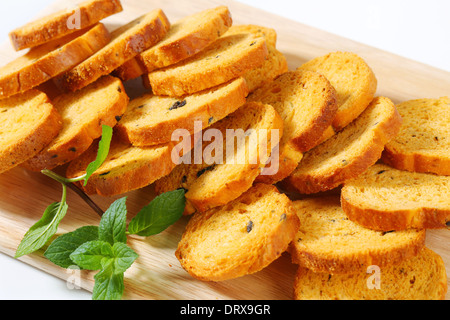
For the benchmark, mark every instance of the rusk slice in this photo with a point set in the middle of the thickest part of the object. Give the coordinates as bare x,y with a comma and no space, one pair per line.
306,102
83,112
28,122
385,199
62,23
229,57
353,79
349,153
328,242
126,168
151,120
240,238
42,63
185,38
422,277
221,176
127,42
423,144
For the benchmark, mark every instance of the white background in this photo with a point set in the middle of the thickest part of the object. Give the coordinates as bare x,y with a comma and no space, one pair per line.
415,29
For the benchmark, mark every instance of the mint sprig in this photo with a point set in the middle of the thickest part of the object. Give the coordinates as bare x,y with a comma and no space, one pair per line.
41,232
107,251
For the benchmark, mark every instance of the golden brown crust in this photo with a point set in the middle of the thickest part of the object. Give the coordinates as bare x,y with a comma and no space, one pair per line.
309,178
266,235
42,63
227,58
45,123
394,216
127,41
329,242
207,26
86,130
56,25
138,126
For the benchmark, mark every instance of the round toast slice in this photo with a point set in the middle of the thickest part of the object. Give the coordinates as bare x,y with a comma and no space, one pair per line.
423,143
422,277
328,242
125,169
353,79
306,101
126,42
229,57
83,112
243,141
386,199
348,153
63,23
240,238
185,38
151,120
28,123
49,60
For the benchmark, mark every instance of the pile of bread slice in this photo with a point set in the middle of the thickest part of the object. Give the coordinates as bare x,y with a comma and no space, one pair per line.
358,180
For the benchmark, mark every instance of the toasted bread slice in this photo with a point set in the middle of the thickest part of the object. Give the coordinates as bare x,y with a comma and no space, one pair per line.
229,57
43,63
240,238
83,112
423,144
126,168
259,31
422,277
126,42
185,38
353,79
306,101
386,199
349,153
328,242
63,23
28,122
151,120
215,181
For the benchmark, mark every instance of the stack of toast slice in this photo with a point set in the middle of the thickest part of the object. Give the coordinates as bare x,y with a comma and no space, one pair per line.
364,178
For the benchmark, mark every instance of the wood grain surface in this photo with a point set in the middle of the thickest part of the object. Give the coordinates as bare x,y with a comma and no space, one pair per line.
157,273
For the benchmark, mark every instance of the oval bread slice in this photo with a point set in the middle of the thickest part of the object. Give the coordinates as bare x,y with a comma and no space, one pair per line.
125,169
328,242
349,153
62,23
220,176
240,238
185,38
422,277
43,63
423,143
353,79
126,42
229,57
83,112
151,120
28,123
306,102
386,199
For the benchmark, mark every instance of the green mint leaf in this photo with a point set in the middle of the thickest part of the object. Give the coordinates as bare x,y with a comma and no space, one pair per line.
109,285
42,231
62,247
102,153
92,255
162,212
113,224
124,257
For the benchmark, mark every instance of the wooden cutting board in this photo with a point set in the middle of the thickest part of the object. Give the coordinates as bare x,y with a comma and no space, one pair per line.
157,273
